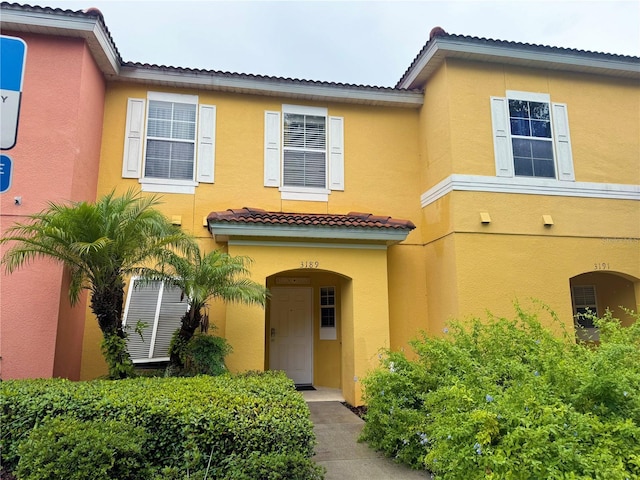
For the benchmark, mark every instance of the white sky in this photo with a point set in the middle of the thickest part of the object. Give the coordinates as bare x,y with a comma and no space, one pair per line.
359,42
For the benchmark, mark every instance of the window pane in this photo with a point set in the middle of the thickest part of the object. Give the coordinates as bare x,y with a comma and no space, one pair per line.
184,112
540,128
184,131
293,130
541,149
543,168
539,110
520,126
160,110
171,160
159,128
518,108
304,169
327,317
521,147
523,166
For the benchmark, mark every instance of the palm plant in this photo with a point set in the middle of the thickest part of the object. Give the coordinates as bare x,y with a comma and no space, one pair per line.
202,278
100,244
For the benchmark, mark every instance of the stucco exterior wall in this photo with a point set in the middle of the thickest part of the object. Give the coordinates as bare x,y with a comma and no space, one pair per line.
55,160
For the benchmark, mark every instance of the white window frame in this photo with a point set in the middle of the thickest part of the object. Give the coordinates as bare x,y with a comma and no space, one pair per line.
585,333
328,332
134,157
151,332
274,154
560,137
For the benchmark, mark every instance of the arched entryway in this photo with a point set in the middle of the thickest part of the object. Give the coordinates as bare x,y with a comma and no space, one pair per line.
597,291
303,325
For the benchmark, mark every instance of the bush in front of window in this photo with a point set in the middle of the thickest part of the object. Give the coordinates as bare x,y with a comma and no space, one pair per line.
204,355
192,425
506,398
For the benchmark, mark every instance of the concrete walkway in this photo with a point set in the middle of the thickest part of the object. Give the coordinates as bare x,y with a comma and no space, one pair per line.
337,430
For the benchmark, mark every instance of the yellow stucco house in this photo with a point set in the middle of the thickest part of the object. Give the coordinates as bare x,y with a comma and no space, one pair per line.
492,171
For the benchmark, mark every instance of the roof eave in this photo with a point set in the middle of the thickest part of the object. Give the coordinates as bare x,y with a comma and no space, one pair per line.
225,231
208,80
551,58
89,28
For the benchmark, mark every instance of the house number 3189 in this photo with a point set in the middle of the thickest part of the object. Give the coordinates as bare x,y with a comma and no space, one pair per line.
309,264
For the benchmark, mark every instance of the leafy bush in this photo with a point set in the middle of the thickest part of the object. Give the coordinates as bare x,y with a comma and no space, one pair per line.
188,421
205,354
76,450
274,466
508,399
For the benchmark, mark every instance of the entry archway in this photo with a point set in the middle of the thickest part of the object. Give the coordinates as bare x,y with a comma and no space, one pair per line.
597,291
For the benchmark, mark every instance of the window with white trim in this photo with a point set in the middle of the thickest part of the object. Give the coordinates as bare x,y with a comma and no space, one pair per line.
531,137
169,142
304,152
585,307
328,313
159,307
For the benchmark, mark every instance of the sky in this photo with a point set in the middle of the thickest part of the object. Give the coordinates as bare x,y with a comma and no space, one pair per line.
356,42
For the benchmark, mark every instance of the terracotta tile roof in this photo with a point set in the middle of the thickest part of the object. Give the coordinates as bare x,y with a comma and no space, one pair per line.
439,33
350,220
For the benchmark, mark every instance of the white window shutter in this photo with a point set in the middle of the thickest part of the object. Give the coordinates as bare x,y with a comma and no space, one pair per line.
272,127
563,142
501,137
206,143
133,139
336,153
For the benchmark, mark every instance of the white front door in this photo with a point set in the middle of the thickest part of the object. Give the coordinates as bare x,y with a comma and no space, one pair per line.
291,333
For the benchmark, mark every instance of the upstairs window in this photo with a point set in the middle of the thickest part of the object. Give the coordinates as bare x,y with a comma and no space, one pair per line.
530,124
169,142
304,152
531,137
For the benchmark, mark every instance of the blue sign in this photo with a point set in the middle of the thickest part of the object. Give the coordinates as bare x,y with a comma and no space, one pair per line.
13,55
6,168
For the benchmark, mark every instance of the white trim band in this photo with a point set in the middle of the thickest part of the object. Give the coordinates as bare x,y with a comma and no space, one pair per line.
529,186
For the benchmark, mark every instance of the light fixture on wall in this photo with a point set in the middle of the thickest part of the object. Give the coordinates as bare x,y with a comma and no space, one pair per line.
485,218
547,220
176,220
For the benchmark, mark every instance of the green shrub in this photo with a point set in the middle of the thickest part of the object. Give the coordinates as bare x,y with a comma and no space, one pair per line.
274,466
70,449
508,399
187,420
205,354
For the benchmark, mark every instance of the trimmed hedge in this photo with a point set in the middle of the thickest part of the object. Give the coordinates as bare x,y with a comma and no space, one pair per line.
190,422
507,399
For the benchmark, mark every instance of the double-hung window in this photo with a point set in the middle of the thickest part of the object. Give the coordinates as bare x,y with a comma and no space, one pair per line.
169,142
531,137
304,152
157,308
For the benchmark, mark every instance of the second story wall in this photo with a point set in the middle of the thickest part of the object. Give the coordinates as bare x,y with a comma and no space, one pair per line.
379,150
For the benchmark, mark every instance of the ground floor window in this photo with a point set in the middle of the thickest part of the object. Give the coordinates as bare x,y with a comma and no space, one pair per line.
585,307
157,308
328,313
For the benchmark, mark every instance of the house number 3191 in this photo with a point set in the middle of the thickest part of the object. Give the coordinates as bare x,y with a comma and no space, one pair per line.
309,264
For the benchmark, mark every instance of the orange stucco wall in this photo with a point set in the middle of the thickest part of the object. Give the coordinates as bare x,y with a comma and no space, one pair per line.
55,159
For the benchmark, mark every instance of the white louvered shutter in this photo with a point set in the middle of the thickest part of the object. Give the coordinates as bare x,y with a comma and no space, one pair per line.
169,315
206,143
563,142
142,306
271,149
161,309
134,135
336,153
501,137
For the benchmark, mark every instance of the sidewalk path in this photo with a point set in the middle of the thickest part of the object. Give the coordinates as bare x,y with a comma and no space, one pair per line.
338,450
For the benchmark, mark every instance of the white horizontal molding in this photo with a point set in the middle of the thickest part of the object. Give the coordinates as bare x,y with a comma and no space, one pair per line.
332,246
167,186
529,186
